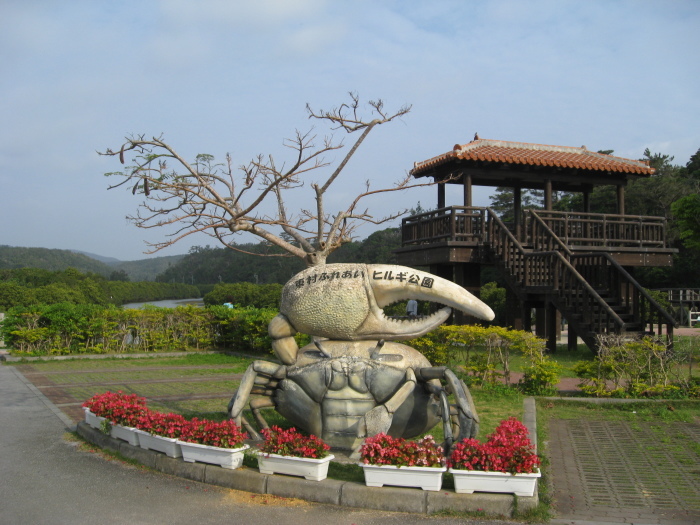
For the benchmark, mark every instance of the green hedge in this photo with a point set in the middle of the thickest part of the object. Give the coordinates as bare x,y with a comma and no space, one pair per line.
244,293
65,328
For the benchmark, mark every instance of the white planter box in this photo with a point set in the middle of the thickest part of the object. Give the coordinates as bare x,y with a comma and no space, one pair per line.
93,420
168,446
427,478
128,434
468,481
224,457
309,468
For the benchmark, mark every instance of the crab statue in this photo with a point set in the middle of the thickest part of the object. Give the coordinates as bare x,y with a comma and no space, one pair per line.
349,383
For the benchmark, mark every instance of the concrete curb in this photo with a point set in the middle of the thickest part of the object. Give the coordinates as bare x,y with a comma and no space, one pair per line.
328,491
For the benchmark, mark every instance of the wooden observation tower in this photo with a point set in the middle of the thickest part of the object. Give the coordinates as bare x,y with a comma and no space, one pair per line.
562,264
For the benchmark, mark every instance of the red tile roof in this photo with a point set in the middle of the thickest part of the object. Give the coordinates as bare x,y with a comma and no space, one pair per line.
534,155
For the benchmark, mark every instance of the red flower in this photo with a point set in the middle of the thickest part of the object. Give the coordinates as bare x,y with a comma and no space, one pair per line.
508,449
119,408
383,449
130,410
292,443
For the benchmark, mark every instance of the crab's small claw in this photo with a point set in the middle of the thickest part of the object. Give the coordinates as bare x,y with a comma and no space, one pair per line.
379,419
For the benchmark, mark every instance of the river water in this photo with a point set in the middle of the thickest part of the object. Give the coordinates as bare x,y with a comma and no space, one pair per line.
169,303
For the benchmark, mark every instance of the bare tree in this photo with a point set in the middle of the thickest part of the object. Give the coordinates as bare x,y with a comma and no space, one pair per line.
216,199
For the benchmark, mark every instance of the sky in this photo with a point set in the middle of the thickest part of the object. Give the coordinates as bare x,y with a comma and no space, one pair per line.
234,76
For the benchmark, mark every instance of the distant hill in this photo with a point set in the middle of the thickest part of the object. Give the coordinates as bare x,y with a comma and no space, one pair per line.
146,269
48,259
101,258
56,260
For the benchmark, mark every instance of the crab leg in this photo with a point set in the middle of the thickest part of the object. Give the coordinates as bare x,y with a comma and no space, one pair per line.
466,411
240,398
251,430
256,405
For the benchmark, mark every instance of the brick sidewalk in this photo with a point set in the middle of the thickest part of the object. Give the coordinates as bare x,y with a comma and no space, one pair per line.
610,471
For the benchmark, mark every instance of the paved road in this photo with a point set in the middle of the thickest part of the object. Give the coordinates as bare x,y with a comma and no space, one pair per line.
46,479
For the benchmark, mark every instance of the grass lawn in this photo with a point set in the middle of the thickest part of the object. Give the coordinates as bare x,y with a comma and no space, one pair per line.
637,413
201,385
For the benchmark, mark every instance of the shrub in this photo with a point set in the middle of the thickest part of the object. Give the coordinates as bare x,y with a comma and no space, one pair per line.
244,294
636,368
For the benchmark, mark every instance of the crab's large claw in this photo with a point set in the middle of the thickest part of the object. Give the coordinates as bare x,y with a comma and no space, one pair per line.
345,301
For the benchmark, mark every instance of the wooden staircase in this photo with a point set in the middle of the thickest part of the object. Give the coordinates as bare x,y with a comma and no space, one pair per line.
592,291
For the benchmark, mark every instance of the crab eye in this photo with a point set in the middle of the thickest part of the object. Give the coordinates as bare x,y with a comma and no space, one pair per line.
315,354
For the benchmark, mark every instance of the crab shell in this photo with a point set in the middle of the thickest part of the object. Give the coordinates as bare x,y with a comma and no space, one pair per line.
345,301
330,393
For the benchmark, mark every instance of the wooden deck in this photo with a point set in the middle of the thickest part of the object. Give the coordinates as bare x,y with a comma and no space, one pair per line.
631,240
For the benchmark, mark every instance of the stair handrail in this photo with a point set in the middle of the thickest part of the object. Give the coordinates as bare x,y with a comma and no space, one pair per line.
655,306
493,218
554,237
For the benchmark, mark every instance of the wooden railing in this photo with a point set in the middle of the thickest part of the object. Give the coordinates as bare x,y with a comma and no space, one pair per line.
604,274
595,229
682,295
551,270
575,230
613,281
455,223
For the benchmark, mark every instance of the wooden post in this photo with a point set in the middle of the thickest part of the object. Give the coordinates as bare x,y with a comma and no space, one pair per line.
467,181
468,276
552,326
514,311
540,322
441,195
518,211
621,200
527,316
586,209
548,195
572,339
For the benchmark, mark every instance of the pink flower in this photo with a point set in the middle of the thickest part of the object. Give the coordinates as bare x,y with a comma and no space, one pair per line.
508,449
292,443
383,449
130,410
